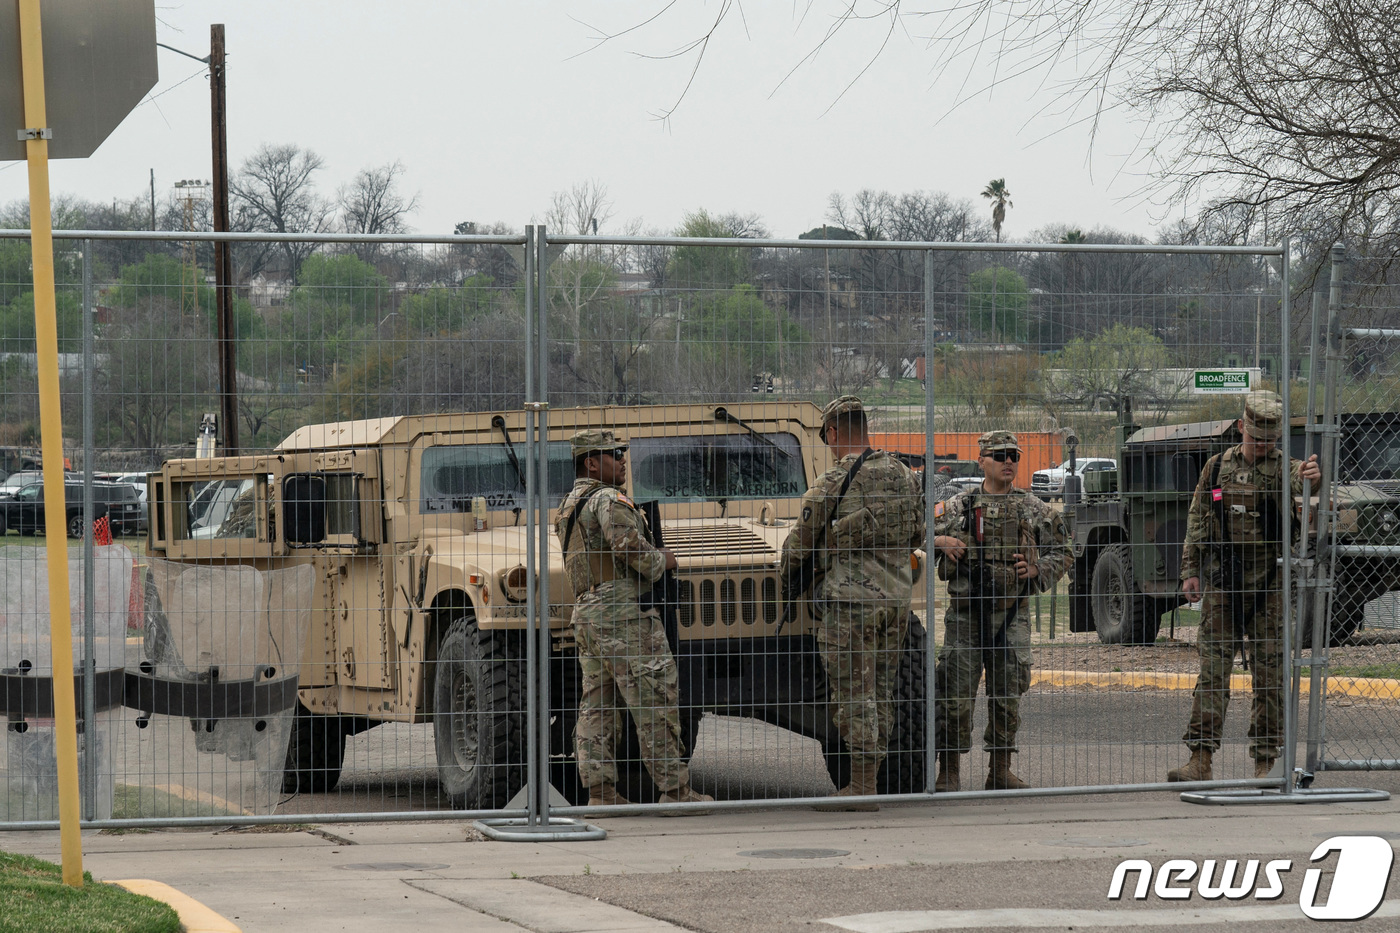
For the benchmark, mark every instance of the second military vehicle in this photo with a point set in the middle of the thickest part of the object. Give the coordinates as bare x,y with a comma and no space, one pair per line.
415,528
1128,525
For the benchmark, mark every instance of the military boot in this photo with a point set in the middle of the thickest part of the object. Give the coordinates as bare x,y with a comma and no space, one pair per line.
605,795
686,794
949,764
999,776
1197,769
862,785
1262,767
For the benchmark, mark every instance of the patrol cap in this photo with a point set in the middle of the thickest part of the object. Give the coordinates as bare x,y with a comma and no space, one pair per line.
586,442
845,405
997,440
1263,415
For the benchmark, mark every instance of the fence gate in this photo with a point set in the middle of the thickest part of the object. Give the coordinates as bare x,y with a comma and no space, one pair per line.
1350,621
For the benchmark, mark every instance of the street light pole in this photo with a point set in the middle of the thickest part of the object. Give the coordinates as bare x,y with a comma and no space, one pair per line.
223,255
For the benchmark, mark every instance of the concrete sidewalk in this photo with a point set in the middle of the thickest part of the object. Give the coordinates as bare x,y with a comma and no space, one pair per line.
1028,864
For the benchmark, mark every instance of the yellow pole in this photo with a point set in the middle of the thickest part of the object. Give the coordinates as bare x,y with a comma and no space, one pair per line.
51,433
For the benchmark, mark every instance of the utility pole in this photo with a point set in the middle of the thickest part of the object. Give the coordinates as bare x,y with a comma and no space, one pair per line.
223,255
153,199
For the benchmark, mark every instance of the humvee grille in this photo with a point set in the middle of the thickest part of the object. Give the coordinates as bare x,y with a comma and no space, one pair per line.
707,540
743,599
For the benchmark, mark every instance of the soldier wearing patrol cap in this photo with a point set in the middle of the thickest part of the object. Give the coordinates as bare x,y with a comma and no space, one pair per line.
996,545
1234,538
863,543
610,559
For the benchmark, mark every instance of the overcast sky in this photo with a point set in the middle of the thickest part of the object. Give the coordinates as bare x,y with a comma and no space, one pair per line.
493,105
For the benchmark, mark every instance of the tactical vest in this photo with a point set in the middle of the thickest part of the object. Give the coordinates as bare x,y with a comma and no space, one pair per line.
587,558
1244,490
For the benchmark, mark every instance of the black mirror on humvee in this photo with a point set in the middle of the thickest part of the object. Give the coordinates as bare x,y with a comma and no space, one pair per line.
305,498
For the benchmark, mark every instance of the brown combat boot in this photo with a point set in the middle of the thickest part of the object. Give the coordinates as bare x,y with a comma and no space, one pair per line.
862,785
686,794
605,795
1197,769
1262,767
999,776
949,778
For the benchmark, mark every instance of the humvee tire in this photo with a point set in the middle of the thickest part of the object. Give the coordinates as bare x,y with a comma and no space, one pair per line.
478,716
903,770
1122,615
315,752
1347,613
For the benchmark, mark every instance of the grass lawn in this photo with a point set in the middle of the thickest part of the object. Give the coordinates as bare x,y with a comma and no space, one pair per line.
1389,671
33,897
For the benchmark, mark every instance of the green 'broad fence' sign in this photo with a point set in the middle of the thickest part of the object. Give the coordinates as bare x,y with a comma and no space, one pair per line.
1222,381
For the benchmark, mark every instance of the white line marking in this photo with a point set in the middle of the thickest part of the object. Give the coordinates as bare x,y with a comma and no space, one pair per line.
920,921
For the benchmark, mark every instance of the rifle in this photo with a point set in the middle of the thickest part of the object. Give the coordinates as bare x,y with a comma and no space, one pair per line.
665,594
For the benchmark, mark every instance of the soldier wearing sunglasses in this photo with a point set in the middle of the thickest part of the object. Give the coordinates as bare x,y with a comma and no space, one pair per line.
995,546
625,659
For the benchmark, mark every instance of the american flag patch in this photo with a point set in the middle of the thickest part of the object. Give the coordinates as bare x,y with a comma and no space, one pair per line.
938,509
622,497
1216,495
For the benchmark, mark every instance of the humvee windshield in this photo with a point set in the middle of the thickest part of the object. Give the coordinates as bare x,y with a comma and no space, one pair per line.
1159,471
1368,452
727,466
452,476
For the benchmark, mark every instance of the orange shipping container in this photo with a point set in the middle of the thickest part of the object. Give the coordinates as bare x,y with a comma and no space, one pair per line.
1040,450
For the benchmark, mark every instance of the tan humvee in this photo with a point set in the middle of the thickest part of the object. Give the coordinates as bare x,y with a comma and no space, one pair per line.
415,526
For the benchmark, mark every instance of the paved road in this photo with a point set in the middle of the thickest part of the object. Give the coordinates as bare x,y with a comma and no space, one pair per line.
1070,737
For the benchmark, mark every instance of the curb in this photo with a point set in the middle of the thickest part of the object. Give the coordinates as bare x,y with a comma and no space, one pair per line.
194,916
1371,688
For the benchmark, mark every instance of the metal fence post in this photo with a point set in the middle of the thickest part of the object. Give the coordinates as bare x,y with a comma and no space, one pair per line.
930,616
88,760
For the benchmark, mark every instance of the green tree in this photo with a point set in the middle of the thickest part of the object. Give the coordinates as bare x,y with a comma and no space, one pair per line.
159,278
1120,363
997,302
17,323
443,310
1001,199
739,320
708,267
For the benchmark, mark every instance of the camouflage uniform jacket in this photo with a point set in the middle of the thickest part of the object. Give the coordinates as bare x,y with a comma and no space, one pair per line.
1013,523
1240,485
610,553
866,550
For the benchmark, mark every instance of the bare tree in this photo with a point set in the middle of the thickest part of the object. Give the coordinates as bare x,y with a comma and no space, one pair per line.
580,211
372,203
275,192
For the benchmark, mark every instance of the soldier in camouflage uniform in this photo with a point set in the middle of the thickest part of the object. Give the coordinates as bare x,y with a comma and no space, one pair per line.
622,650
1240,486
1007,544
864,546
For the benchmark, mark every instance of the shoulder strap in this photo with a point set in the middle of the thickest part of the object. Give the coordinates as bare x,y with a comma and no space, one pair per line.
1218,502
573,516
845,486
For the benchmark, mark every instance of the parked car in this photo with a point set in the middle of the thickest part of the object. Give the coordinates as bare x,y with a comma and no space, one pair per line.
139,481
1050,483
17,481
24,512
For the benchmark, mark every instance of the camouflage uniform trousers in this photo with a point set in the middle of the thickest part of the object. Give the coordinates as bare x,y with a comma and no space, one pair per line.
627,665
861,645
959,670
1217,643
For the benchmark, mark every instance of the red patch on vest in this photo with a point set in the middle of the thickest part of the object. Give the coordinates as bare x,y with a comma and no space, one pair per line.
1216,495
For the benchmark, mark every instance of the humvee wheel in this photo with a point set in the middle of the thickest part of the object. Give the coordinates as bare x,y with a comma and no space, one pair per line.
1347,613
315,753
478,717
903,770
1122,615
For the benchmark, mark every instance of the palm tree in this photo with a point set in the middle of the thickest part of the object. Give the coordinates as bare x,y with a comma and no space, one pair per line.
1073,236
1001,199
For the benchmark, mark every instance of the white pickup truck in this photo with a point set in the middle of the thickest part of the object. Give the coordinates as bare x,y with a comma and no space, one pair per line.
1048,484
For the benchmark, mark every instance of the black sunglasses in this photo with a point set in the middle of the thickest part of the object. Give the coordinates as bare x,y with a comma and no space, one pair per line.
1001,456
617,453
